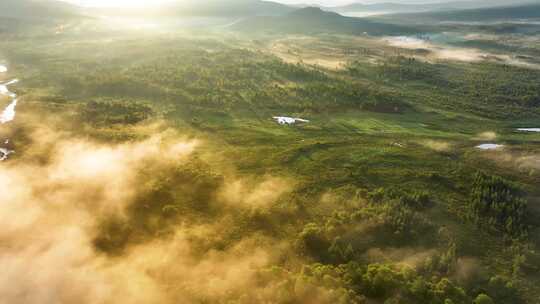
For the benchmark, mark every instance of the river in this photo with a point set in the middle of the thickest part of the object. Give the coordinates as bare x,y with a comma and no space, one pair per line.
8,114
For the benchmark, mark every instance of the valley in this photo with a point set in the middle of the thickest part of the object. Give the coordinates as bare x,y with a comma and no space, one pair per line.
297,156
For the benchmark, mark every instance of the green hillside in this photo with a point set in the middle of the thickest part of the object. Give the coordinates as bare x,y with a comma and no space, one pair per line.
509,13
313,20
395,7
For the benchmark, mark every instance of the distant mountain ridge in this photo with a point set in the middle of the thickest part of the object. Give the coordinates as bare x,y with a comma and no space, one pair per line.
231,8
393,7
314,20
531,11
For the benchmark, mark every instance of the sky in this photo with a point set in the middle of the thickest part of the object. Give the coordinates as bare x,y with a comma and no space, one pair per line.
321,2
135,3
333,2
157,2
342,2
138,3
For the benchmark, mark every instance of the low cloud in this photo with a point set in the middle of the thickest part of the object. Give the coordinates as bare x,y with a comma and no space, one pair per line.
437,145
435,51
442,52
528,162
488,135
249,194
411,257
468,270
52,207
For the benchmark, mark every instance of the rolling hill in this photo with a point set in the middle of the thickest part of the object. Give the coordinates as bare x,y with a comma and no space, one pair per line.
394,7
313,20
522,12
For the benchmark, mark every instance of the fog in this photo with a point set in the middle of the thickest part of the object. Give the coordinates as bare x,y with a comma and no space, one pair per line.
62,189
441,51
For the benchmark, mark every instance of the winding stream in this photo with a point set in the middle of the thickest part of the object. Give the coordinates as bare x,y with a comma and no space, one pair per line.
8,114
535,130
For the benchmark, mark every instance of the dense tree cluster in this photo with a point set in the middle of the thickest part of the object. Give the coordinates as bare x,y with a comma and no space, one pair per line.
356,283
392,216
408,68
227,79
486,89
499,203
110,111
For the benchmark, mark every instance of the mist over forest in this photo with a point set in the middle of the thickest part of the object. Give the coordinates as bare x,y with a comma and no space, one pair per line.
288,152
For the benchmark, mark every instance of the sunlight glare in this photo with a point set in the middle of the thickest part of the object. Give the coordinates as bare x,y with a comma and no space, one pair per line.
121,3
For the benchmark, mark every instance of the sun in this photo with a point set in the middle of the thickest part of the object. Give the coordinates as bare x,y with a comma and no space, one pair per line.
121,3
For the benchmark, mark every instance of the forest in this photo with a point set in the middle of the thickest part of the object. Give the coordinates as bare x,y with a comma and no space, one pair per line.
149,168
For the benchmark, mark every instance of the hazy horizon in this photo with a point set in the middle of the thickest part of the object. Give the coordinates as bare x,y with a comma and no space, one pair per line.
289,2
